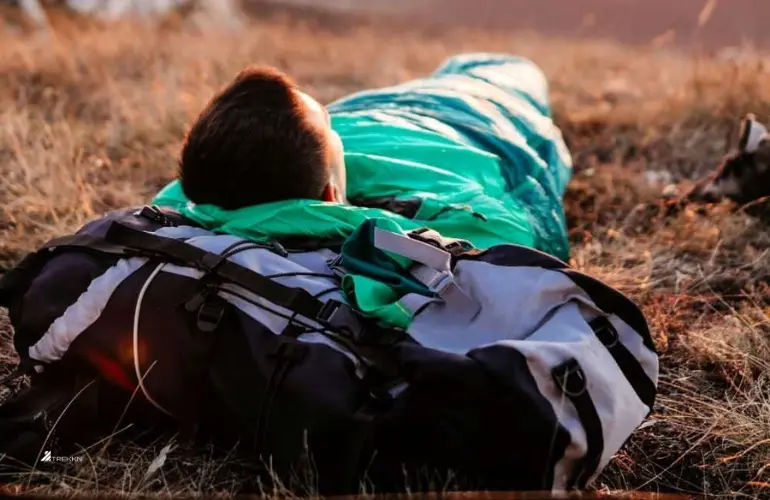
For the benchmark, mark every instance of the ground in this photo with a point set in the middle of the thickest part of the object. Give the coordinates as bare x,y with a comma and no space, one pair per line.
92,120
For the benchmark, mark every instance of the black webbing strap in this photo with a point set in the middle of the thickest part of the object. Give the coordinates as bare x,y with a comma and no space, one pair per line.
123,241
87,242
333,313
176,251
628,364
354,446
571,379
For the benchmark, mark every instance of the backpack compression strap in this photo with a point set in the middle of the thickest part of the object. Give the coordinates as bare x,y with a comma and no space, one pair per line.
432,266
123,242
298,300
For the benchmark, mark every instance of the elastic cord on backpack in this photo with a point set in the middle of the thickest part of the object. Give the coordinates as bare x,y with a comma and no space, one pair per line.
137,310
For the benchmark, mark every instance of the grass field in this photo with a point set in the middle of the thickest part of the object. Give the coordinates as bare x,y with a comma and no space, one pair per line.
92,119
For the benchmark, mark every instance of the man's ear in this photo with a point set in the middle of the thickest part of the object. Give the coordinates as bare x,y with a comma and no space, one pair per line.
329,193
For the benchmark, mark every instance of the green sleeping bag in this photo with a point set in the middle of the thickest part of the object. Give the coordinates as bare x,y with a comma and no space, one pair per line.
473,147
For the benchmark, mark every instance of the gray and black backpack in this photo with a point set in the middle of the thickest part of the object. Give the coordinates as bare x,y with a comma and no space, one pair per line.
517,371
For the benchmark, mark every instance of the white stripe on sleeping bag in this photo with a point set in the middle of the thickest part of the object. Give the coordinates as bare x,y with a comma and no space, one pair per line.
90,304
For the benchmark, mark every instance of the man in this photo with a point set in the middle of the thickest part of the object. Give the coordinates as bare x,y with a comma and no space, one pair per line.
470,151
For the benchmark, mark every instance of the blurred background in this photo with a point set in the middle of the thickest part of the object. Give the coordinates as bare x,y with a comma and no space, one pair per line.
704,24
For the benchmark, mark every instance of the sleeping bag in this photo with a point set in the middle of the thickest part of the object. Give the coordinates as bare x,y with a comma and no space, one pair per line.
470,151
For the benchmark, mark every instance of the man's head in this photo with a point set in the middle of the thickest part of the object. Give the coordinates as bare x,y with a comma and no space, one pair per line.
261,140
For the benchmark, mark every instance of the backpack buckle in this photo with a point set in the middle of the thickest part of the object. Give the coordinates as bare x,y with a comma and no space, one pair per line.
380,399
153,213
605,331
210,262
208,288
431,237
340,316
570,378
209,316
436,281
443,285
210,308
277,248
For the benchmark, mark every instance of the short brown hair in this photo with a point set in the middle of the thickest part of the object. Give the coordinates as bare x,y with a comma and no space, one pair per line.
252,144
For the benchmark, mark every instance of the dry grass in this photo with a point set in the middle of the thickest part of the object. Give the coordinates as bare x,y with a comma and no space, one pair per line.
92,119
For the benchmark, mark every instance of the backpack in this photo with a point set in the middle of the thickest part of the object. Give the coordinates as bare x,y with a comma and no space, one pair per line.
517,371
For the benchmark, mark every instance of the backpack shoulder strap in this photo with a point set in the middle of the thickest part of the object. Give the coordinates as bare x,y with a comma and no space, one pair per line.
432,266
180,252
123,241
